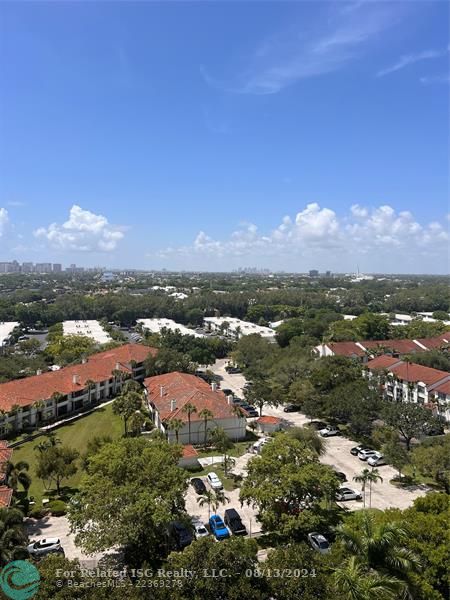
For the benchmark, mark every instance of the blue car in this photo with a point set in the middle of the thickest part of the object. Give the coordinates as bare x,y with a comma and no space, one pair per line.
218,528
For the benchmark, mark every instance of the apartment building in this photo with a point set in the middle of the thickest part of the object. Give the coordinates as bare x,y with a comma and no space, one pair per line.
49,396
167,396
408,382
237,328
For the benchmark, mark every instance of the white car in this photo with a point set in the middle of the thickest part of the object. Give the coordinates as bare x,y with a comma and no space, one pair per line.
365,454
345,493
214,481
45,546
329,431
319,542
377,460
199,529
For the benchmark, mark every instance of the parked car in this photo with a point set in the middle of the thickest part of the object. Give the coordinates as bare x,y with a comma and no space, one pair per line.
290,408
317,425
199,529
251,411
319,542
357,449
432,429
44,547
233,521
377,460
259,444
214,481
345,493
198,485
329,431
218,528
181,535
340,475
365,454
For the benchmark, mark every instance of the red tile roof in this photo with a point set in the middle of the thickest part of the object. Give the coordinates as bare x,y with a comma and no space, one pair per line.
183,388
443,388
432,343
395,346
382,362
414,373
346,349
189,451
269,420
5,496
98,367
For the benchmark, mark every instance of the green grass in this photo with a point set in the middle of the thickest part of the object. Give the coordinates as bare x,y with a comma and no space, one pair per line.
76,435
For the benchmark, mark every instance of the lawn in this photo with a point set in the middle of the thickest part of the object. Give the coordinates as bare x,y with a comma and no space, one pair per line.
76,435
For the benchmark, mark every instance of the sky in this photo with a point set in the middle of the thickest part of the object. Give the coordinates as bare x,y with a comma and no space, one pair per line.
218,135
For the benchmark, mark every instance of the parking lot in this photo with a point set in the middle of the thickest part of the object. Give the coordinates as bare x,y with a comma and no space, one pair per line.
384,494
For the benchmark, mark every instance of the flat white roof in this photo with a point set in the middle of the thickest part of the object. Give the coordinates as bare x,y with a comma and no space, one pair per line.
246,328
6,328
89,328
155,326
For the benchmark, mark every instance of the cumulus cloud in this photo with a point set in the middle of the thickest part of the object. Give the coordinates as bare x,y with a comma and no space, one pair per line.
315,231
4,220
83,231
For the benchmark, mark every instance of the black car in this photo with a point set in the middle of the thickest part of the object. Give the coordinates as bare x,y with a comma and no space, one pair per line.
198,485
233,521
251,411
340,475
290,408
181,535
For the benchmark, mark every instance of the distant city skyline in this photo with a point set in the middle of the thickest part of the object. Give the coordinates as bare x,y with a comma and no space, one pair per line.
207,136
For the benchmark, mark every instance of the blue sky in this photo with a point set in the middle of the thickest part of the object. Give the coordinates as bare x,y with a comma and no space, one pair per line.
217,135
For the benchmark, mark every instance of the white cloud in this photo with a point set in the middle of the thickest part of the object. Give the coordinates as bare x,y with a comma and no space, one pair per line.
410,59
83,231
445,78
4,220
299,52
387,237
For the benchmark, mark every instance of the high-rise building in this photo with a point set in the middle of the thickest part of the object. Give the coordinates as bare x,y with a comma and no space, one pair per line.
27,267
57,267
314,273
43,267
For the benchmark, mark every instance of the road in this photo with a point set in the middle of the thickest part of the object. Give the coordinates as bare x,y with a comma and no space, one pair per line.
384,494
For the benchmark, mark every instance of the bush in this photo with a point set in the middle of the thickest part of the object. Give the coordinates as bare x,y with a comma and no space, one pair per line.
57,508
38,513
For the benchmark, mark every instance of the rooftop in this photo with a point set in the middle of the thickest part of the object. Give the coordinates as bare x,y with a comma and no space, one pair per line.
91,329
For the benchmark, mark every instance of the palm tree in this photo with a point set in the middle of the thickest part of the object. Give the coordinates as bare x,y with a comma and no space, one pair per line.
205,414
189,409
12,535
51,440
56,397
175,425
363,478
374,477
90,385
38,406
356,583
381,547
17,473
206,498
218,499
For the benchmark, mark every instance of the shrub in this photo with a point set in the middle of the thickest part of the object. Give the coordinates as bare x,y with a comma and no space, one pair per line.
38,513
57,508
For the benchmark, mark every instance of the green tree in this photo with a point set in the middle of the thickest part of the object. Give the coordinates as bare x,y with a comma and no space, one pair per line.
205,414
189,409
13,538
363,479
309,437
175,425
126,405
396,454
17,473
287,484
408,418
56,463
434,460
146,473
381,547
222,443
356,582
